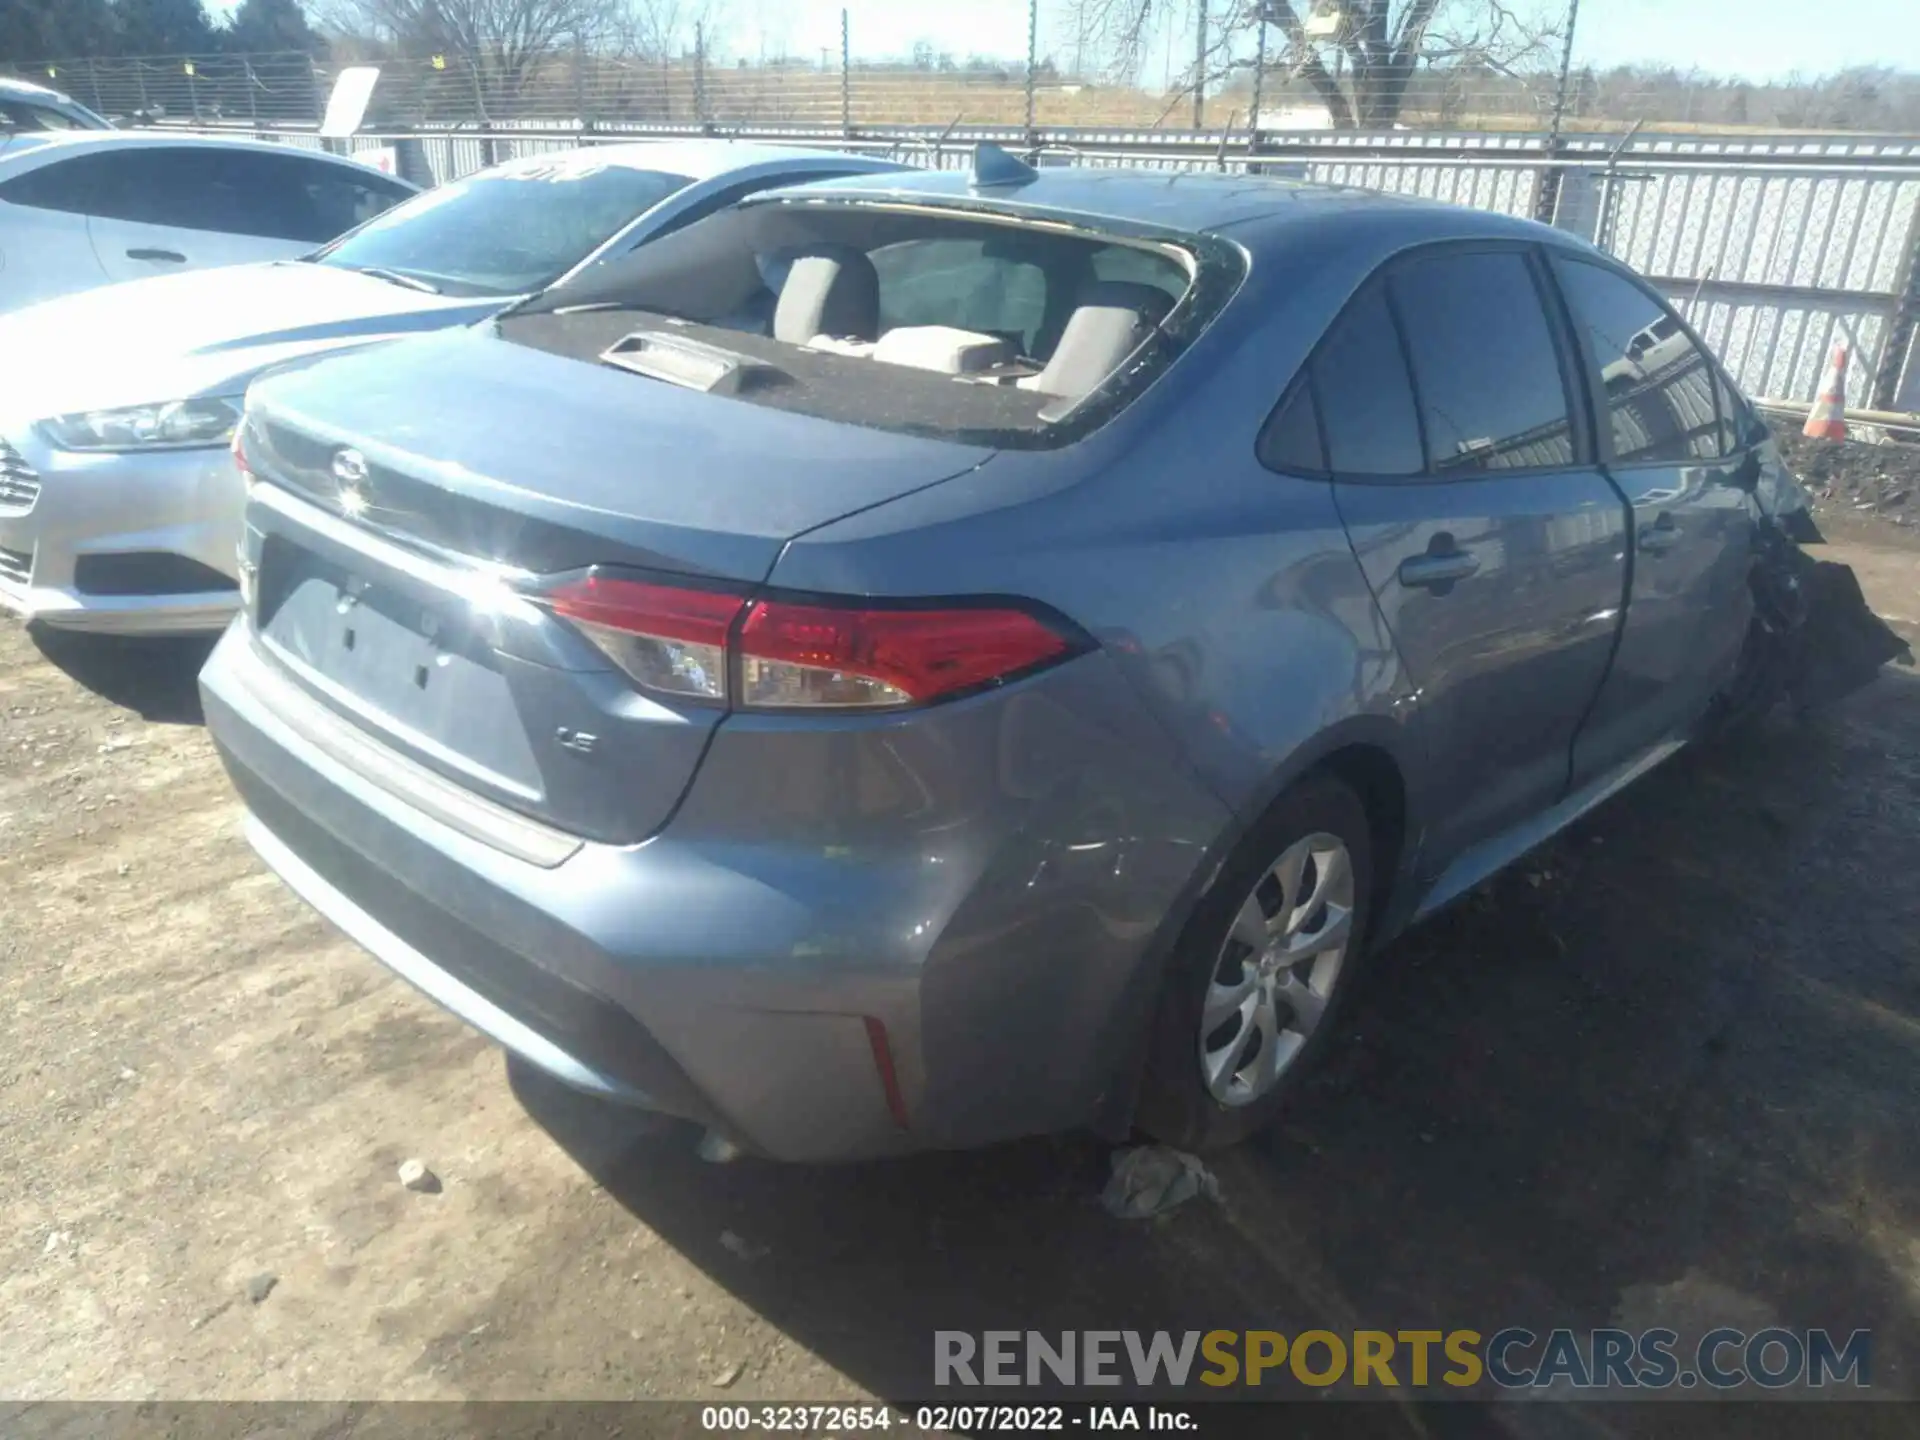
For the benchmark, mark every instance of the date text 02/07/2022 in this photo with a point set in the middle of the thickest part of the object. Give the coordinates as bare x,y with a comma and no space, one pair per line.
943,1419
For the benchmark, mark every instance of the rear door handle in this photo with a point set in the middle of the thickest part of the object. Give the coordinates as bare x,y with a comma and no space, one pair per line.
1663,535
171,257
1428,572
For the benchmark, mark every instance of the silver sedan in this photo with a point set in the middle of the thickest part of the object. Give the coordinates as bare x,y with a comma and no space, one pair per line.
119,504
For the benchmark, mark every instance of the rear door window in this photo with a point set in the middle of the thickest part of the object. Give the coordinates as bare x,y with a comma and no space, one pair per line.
18,115
1662,405
1485,365
73,185
1366,402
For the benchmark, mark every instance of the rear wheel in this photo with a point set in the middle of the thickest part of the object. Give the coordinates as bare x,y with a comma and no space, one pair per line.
1262,972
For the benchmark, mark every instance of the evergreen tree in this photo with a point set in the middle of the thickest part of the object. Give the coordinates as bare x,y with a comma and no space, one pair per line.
164,27
261,27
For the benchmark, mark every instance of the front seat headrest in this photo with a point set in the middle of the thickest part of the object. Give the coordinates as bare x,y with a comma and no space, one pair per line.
830,290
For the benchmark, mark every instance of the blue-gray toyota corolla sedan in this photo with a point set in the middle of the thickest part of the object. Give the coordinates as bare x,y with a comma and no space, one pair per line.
922,660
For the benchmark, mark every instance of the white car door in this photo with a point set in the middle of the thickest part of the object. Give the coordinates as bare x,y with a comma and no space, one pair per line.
44,248
162,209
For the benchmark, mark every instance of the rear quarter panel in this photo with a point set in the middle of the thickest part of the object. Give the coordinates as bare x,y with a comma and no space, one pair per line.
1228,599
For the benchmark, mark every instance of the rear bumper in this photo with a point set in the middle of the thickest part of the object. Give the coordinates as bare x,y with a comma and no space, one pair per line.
165,508
1003,923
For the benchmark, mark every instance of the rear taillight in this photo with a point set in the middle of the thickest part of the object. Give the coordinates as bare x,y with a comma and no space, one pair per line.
239,448
781,655
847,658
668,638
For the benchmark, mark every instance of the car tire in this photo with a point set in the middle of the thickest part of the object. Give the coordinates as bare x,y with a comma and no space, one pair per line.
1186,1100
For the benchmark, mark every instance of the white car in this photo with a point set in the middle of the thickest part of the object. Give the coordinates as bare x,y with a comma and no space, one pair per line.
120,508
26,106
83,208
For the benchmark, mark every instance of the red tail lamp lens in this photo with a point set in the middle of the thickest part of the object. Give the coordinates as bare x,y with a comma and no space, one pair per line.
834,657
666,638
681,641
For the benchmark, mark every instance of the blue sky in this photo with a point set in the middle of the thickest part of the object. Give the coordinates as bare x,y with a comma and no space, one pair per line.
1756,38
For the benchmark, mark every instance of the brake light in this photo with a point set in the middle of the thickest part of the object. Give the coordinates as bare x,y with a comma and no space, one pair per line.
780,655
827,656
665,637
239,448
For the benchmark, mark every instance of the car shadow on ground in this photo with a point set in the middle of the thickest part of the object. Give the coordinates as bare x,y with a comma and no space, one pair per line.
1661,1075
158,679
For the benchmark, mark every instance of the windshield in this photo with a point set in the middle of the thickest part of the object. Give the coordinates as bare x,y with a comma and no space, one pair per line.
505,232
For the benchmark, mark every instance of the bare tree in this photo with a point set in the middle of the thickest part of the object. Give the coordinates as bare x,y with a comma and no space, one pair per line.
1382,43
1359,57
1116,29
661,29
503,41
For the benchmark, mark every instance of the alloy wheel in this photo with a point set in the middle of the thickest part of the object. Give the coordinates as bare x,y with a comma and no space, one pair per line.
1275,973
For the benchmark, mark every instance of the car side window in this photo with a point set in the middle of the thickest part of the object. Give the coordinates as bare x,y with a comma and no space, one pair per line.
16,115
957,282
1661,390
245,194
1366,407
72,185
338,200
1736,418
1485,365
153,186
1292,441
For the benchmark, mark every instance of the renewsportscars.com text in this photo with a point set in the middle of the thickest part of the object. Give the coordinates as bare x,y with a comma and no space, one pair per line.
1513,1358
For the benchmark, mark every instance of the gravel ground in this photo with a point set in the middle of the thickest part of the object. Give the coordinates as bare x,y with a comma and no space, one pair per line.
1665,1075
1879,483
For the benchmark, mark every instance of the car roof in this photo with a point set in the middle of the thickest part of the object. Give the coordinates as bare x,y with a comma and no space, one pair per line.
27,90
40,142
1194,201
701,159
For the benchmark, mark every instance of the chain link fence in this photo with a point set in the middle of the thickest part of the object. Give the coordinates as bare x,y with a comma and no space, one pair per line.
1202,64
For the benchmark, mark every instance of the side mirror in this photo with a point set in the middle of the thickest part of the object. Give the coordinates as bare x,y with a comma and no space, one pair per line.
1746,475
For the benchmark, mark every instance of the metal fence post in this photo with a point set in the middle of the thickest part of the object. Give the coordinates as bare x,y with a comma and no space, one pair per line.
488,152
1033,77
319,91
140,83
253,100
1895,349
193,88
1200,68
700,117
846,74
93,85
1259,92
1547,203
584,120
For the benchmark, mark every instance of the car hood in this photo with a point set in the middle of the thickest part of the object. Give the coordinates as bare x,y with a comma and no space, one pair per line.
204,332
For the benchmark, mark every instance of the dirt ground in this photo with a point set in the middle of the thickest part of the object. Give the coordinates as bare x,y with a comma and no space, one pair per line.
1666,1075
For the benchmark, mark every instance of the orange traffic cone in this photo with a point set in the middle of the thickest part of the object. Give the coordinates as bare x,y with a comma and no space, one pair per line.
1828,418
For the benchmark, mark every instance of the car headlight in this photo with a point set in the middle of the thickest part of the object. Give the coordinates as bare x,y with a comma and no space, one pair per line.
171,425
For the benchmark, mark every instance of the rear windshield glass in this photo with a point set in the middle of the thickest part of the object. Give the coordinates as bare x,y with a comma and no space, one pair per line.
992,329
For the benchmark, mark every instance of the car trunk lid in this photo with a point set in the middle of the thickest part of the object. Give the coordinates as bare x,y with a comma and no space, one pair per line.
419,493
